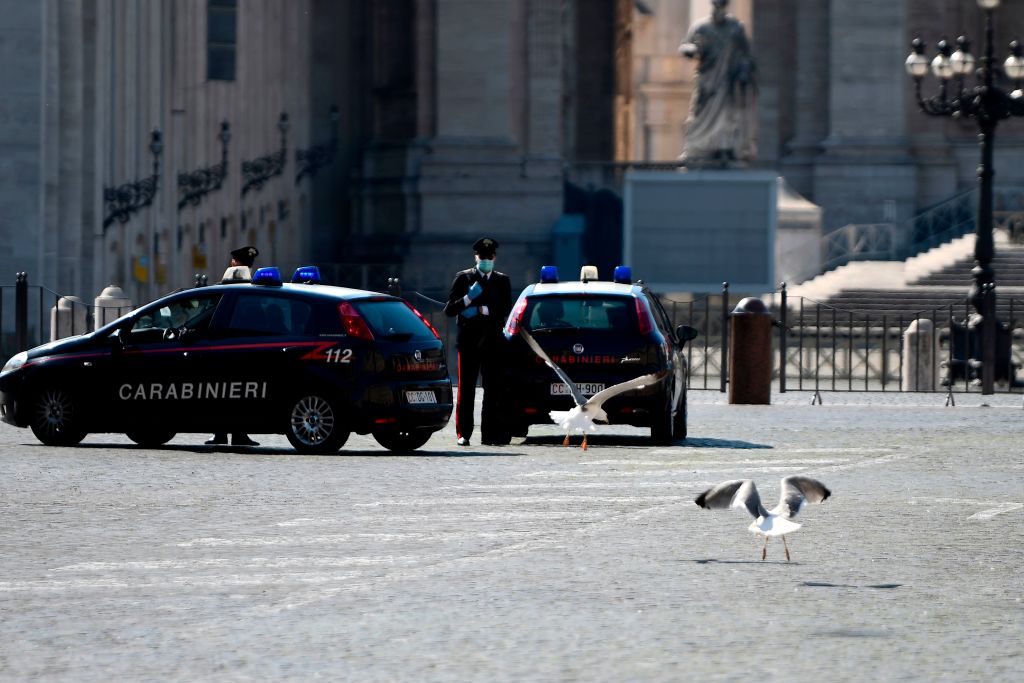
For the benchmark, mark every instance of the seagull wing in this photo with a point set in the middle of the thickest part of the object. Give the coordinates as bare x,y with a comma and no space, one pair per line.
622,387
740,493
576,394
797,492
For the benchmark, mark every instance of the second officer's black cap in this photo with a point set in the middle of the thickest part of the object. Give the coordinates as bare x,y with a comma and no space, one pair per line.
245,255
485,247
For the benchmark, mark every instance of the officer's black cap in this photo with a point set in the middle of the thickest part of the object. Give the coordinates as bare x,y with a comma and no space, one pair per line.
245,255
485,247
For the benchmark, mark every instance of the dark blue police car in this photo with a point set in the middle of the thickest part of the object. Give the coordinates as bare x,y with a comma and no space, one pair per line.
601,334
310,361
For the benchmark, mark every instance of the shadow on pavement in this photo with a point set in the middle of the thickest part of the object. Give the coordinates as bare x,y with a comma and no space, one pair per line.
638,441
288,450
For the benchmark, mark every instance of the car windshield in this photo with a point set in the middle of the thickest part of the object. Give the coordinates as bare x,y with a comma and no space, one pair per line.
393,321
587,313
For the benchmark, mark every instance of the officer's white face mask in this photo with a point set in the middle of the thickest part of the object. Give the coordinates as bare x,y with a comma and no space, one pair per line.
485,265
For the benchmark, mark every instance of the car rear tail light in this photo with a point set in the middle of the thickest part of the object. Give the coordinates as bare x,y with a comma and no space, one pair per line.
643,317
516,319
352,322
422,318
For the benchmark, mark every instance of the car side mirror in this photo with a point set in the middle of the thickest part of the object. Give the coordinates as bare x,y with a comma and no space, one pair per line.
119,338
685,333
171,333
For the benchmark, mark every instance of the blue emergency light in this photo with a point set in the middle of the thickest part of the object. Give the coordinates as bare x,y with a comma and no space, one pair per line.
268,277
623,275
548,274
308,275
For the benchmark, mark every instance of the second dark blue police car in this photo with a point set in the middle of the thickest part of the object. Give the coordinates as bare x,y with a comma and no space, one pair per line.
310,361
601,333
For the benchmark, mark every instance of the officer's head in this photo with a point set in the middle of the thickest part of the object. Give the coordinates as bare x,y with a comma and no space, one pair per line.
485,250
244,256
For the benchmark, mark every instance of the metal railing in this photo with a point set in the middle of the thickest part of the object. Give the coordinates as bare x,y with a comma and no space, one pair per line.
26,319
815,347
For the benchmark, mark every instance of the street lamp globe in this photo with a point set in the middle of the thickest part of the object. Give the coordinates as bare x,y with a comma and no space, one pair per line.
917,63
962,60
1014,64
988,4
942,66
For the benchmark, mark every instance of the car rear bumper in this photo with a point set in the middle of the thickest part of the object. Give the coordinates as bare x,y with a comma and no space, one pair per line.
529,403
392,406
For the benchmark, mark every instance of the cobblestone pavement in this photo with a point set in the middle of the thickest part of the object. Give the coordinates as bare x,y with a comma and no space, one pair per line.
530,562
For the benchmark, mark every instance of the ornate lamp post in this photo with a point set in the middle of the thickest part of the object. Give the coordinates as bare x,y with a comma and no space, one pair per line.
194,185
314,158
987,104
126,199
257,172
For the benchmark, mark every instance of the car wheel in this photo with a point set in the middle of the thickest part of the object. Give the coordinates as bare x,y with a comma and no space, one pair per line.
56,417
661,428
315,425
402,439
150,438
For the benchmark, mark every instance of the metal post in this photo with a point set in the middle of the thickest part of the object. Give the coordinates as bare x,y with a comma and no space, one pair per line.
783,308
725,336
21,311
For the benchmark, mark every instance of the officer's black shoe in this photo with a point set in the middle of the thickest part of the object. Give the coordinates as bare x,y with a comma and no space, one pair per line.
218,440
243,440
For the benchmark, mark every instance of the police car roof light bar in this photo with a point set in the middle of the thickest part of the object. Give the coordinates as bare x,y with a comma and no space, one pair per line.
623,275
548,274
270,277
588,273
307,275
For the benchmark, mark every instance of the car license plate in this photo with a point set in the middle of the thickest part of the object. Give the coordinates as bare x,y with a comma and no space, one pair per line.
420,397
586,388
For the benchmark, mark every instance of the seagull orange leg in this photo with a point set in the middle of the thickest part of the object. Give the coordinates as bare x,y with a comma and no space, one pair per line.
565,441
786,547
584,441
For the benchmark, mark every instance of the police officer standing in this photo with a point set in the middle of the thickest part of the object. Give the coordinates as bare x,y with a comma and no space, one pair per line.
481,297
243,256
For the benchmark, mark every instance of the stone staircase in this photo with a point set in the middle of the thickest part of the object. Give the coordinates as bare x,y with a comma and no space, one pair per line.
933,285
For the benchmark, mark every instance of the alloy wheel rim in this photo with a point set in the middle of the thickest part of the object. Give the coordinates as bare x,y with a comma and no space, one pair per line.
312,420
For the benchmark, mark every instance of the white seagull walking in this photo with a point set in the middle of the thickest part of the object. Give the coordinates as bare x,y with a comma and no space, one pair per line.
741,493
587,413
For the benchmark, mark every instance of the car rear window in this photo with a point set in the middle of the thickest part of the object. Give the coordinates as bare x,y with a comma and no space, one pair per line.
393,321
588,313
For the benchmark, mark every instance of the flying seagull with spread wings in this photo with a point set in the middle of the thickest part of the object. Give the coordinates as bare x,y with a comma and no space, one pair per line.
741,493
588,411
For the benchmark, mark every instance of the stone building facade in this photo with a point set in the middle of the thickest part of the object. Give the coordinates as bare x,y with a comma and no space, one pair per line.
88,83
456,118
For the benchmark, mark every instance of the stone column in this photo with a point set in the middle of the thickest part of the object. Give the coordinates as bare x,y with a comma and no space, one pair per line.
867,161
810,115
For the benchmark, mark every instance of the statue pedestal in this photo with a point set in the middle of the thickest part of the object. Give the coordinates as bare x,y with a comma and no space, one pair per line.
689,231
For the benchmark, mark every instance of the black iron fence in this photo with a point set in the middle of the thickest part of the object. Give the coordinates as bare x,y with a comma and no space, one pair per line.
27,316
815,346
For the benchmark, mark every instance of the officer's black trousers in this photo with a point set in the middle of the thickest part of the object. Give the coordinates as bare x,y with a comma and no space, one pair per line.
477,358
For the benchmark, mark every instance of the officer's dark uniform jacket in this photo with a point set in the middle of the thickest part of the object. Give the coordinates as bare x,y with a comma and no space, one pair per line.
479,342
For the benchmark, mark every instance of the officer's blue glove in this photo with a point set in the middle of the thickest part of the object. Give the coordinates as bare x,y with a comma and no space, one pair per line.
470,312
475,291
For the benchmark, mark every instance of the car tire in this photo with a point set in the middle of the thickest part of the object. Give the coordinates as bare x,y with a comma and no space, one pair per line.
402,440
56,417
315,425
150,438
661,427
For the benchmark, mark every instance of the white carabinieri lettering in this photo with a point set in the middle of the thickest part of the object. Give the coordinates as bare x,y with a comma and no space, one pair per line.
185,391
